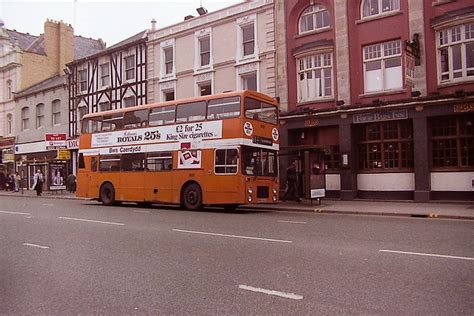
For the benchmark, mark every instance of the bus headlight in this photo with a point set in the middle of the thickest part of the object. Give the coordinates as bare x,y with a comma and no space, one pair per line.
249,190
274,191
249,198
274,198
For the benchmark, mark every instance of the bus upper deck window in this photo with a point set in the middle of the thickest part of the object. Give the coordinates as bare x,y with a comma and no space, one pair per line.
162,115
223,108
134,119
262,111
191,112
113,122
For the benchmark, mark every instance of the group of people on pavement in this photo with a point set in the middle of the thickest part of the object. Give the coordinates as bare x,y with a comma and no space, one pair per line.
10,182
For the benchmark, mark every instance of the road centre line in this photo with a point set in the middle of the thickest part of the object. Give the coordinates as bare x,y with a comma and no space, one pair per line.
292,222
271,292
15,213
231,236
90,221
425,254
35,245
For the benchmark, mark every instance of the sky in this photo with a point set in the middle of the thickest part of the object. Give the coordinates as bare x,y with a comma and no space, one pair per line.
112,21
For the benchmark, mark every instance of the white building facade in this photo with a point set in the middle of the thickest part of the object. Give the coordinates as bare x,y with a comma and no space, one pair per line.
226,50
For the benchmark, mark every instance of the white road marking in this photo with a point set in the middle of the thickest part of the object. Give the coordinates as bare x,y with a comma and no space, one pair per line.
140,211
425,254
15,213
292,222
271,292
48,204
35,245
231,236
90,221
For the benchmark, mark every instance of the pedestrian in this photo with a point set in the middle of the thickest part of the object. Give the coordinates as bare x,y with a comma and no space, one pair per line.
17,181
291,192
11,182
71,183
38,182
3,180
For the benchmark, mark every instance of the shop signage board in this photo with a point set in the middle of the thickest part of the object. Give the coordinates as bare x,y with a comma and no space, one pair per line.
380,116
55,141
64,154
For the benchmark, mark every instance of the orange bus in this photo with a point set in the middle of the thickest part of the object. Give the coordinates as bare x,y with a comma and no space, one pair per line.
219,149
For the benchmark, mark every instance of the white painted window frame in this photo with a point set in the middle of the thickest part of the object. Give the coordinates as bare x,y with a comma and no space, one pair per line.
242,22
463,40
198,36
171,43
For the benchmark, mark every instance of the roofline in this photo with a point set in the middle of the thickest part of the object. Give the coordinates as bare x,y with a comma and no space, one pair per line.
110,50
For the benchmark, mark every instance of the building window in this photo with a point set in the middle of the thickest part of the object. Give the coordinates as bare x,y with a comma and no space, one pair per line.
168,54
386,146
9,124
83,80
25,118
129,101
383,67
205,88
104,106
332,158
376,7
205,51
248,40
56,112
168,95
82,110
456,53
452,141
249,81
130,67
105,74
315,77
9,89
40,115
315,17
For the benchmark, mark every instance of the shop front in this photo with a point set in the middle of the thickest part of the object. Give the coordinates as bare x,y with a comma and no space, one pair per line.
419,151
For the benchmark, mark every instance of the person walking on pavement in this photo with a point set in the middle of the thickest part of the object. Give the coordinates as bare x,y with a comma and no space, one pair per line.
71,183
38,182
17,181
291,192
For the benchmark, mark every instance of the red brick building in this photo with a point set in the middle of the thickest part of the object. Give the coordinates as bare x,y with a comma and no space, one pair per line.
384,89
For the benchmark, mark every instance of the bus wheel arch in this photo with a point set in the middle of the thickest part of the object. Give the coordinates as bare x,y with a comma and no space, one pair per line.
107,194
191,196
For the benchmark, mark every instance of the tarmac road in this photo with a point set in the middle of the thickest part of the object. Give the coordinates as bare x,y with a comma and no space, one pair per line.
73,256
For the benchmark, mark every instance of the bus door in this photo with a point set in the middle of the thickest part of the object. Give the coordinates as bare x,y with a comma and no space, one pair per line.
223,186
159,177
132,177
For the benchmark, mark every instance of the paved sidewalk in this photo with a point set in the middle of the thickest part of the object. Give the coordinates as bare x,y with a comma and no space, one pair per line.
453,210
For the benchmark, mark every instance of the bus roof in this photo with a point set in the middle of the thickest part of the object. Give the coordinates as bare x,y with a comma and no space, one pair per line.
243,93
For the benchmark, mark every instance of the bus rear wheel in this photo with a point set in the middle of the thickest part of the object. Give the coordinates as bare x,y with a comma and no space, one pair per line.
107,194
192,197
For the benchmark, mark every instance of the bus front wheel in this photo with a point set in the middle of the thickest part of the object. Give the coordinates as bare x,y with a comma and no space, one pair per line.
192,197
107,194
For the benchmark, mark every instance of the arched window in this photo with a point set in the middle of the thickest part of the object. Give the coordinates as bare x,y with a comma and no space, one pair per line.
376,7
315,17
9,89
40,115
9,124
25,118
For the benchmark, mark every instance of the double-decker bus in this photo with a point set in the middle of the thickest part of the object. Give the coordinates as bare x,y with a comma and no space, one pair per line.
219,149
